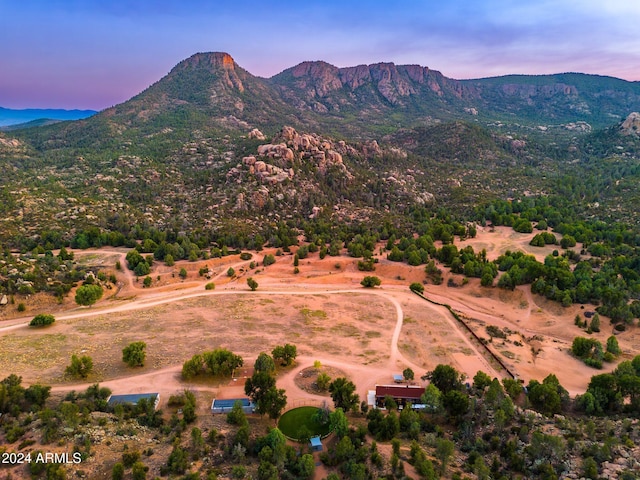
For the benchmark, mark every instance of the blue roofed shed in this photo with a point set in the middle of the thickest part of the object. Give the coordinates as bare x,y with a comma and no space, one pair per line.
224,405
133,399
316,444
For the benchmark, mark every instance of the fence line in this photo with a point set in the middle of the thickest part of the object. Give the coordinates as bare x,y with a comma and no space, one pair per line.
306,402
468,328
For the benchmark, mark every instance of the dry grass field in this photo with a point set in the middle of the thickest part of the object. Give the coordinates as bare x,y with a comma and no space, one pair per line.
368,333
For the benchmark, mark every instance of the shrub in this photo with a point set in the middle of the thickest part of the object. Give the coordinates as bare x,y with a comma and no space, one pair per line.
417,287
134,354
42,320
80,366
210,286
268,260
370,282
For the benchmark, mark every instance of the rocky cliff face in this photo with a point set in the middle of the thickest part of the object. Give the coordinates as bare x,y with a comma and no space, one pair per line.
220,64
392,82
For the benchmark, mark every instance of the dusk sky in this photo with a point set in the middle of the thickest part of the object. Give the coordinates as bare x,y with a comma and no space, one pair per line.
92,54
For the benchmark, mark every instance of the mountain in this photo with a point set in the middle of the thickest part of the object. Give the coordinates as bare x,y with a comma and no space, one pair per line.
212,147
15,117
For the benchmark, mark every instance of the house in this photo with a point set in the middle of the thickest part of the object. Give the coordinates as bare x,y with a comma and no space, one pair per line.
133,399
224,405
401,394
316,444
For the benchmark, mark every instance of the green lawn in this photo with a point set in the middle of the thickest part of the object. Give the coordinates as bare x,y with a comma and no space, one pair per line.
291,422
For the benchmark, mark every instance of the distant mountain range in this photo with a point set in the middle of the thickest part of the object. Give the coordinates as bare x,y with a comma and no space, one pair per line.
17,117
211,145
371,99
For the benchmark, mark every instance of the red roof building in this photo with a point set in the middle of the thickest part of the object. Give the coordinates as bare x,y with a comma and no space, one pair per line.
401,395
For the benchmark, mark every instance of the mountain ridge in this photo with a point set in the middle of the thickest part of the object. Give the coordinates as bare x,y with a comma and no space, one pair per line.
10,116
317,93
210,143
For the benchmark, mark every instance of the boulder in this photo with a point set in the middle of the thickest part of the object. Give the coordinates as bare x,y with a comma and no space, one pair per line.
257,134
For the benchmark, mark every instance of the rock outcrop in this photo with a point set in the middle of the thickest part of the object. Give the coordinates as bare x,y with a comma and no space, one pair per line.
392,82
221,64
631,125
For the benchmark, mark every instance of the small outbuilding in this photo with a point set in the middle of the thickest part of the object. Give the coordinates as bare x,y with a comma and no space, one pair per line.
316,444
224,405
398,378
133,399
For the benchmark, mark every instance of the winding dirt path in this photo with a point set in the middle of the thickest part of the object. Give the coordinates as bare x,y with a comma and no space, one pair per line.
168,380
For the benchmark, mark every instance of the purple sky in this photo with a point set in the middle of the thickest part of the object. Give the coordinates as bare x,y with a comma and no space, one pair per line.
91,54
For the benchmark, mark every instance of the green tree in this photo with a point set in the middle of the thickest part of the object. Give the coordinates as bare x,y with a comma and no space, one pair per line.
253,285
444,451
432,398
264,363
80,366
274,402
183,273
178,460
481,380
231,272
88,294
286,354
612,345
139,471
339,423
37,394
147,281
417,287
134,354
343,394
42,320
345,449
512,387
370,282
117,472
268,260
594,326
487,279
547,396
257,386
590,468
192,367
456,403
221,361
408,374
306,467
445,377
236,415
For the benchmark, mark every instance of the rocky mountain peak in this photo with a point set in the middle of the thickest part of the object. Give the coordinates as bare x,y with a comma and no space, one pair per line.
209,60
219,64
